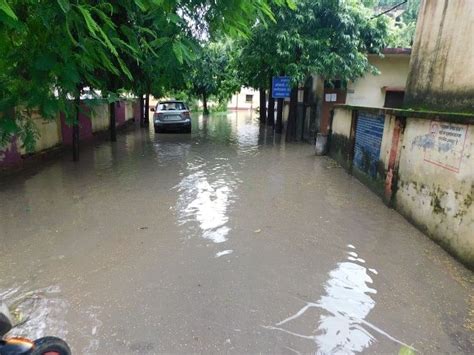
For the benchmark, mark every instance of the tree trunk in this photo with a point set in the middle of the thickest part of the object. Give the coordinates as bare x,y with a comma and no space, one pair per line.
204,103
75,129
142,111
292,115
112,123
147,109
271,105
279,121
263,106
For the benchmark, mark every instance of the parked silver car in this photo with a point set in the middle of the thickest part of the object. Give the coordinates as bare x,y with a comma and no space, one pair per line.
172,116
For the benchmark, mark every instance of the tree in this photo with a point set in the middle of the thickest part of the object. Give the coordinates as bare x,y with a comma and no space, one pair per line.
93,42
325,37
37,74
259,61
402,28
256,65
401,16
212,73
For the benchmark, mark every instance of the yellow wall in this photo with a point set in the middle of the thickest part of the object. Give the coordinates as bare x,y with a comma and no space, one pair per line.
100,117
128,110
341,123
367,91
50,130
441,67
49,133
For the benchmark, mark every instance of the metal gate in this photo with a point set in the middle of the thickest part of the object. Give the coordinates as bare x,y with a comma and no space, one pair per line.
368,139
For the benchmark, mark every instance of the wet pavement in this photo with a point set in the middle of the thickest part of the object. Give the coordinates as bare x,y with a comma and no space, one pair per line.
225,240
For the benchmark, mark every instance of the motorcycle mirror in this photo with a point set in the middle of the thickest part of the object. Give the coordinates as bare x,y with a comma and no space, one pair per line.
5,319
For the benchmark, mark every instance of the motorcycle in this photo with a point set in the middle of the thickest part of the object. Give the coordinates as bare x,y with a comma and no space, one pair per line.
23,346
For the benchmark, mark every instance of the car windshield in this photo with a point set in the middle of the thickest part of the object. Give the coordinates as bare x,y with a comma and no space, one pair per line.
171,106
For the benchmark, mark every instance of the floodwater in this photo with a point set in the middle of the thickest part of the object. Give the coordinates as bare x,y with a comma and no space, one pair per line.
225,240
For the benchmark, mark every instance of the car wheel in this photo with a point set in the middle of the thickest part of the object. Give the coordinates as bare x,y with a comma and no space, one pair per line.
158,130
187,129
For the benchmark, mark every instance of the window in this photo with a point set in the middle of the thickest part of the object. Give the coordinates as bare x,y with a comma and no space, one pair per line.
394,99
248,98
335,84
171,106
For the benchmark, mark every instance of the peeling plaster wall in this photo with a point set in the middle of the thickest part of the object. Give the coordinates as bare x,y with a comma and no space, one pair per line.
387,139
436,185
441,75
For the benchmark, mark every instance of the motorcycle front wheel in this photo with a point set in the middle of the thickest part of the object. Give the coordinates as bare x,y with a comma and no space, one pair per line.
51,346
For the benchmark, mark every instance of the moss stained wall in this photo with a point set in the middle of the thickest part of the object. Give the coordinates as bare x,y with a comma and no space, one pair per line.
441,73
436,183
340,144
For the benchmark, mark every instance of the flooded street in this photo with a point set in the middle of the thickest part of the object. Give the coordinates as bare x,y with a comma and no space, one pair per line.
225,240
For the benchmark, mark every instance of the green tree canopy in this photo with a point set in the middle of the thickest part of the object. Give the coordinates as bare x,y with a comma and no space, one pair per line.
52,49
213,73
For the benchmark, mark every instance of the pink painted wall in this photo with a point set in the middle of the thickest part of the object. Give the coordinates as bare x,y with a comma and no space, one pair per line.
11,156
136,110
85,126
120,113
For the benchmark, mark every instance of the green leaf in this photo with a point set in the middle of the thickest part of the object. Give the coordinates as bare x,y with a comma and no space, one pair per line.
7,10
125,69
141,5
65,5
159,41
178,51
291,4
94,28
45,62
175,18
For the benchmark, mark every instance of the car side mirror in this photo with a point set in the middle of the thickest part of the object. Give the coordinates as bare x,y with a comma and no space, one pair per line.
6,323
152,109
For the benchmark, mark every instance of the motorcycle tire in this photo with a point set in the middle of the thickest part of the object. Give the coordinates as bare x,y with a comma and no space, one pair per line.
51,346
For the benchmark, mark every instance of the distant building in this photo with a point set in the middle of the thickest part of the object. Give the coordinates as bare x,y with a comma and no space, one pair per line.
246,99
386,89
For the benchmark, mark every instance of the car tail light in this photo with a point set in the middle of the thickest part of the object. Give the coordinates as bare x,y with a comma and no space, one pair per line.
186,114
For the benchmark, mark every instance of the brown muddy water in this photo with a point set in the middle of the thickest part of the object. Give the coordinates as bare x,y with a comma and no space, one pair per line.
225,240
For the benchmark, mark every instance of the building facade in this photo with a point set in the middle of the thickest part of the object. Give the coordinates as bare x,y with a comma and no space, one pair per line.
441,70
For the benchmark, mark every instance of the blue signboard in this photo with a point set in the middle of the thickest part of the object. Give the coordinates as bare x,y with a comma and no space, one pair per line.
368,140
281,87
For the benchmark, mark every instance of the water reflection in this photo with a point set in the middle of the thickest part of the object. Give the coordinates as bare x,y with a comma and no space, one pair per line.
224,252
38,313
42,312
204,196
342,327
208,186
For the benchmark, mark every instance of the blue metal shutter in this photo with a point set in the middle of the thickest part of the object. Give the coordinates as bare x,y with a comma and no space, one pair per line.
368,140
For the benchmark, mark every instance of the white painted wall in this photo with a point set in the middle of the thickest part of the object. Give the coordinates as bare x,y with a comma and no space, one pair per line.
239,101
